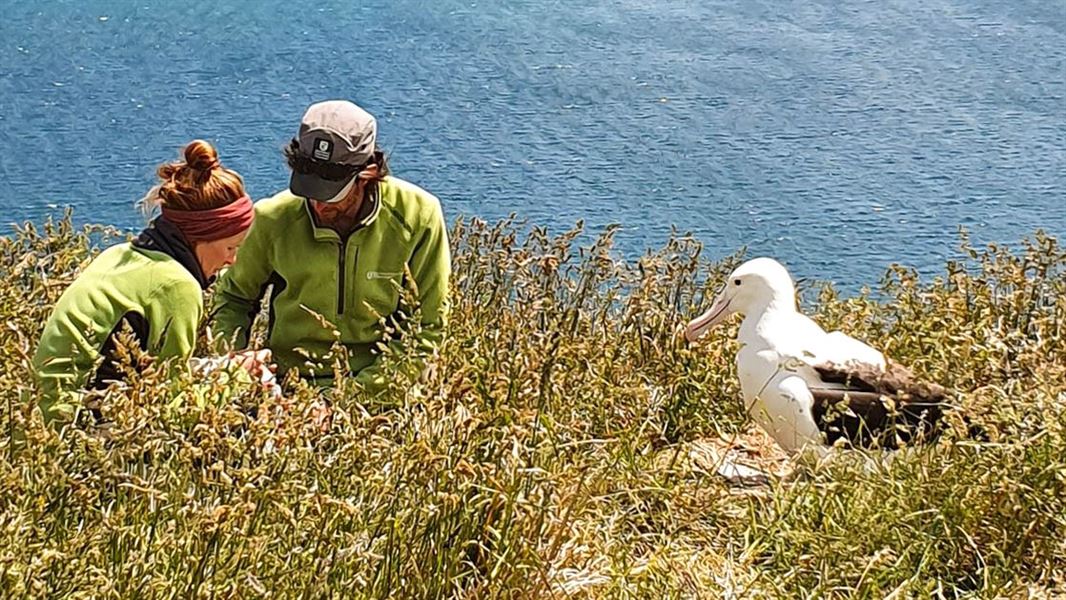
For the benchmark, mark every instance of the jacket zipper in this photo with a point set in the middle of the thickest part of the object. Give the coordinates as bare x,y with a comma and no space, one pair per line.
343,246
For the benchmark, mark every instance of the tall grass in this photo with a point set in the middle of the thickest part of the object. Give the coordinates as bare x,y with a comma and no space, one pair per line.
563,445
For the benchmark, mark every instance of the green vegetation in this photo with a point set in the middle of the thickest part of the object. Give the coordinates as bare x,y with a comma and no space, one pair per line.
563,445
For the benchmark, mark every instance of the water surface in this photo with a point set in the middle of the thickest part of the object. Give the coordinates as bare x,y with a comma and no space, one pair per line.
839,136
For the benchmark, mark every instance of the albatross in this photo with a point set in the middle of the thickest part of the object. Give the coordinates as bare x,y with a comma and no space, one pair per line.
809,388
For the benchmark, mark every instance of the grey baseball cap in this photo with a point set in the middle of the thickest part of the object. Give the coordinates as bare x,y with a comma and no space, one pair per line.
336,132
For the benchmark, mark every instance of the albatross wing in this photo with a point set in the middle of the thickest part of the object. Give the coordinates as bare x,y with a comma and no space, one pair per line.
844,351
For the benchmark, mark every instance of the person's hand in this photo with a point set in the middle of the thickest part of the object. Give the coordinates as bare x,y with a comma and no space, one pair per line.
256,362
322,415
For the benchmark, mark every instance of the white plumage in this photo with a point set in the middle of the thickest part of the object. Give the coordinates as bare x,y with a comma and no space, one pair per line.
779,350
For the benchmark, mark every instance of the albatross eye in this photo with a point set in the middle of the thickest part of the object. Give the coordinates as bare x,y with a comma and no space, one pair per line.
736,282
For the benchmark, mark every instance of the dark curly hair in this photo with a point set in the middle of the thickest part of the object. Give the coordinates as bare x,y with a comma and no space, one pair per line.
301,163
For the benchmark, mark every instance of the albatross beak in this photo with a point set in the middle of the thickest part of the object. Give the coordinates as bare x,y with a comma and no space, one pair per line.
715,315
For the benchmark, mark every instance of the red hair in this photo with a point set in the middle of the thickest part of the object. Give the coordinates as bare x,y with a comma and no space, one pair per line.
200,182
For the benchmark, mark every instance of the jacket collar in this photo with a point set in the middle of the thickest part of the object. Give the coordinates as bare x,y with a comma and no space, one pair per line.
163,236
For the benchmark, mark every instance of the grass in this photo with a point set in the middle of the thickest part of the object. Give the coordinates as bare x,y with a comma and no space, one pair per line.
563,445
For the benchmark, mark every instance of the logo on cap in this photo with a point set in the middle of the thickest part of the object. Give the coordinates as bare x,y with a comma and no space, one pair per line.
323,149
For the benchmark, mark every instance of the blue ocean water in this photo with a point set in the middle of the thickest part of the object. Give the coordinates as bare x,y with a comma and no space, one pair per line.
837,135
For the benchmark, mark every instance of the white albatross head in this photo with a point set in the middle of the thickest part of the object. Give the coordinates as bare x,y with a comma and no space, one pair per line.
752,287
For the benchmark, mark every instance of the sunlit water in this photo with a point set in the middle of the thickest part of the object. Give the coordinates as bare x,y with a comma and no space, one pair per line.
837,135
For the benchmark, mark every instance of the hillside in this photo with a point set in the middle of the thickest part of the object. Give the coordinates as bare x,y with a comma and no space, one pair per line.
564,444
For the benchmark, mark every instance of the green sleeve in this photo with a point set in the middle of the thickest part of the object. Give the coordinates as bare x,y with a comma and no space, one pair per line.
59,403
240,289
174,316
431,268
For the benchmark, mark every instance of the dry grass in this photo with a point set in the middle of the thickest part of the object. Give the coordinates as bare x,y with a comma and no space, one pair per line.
564,446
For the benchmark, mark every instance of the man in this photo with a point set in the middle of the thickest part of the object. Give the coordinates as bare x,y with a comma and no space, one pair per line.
339,245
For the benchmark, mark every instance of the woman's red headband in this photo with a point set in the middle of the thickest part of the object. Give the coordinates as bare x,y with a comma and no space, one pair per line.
213,224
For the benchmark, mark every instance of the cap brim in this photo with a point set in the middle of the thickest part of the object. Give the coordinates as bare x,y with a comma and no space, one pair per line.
307,185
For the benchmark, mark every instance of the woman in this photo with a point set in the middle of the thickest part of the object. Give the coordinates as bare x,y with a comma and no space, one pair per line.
151,288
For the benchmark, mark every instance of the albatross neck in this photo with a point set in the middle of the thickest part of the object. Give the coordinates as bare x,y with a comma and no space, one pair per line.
757,319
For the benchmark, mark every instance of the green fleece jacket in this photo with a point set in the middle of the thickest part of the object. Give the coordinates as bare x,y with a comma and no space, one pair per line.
352,282
139,286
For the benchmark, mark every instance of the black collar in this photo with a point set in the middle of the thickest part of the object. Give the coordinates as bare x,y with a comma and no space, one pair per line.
163,236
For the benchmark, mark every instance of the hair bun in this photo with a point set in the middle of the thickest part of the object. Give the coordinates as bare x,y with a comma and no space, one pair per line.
201,156
199,182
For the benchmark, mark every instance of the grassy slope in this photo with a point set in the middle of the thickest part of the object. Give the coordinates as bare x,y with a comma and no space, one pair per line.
563,445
